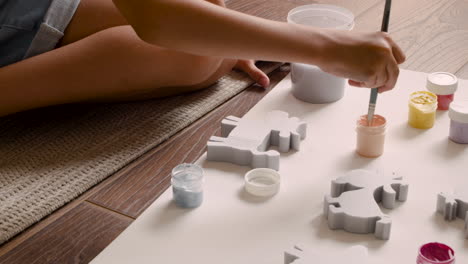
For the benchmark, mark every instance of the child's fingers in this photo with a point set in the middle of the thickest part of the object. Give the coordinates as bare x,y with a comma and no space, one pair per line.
398,53
355,83
392,72
255,73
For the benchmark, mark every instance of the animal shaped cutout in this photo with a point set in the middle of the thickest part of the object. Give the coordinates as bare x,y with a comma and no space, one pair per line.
454,205
245,142
353,203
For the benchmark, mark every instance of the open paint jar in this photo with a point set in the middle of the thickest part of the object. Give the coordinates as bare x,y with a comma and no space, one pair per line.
370,138
309,82
187,185
458,114
435,253
444,85
422,109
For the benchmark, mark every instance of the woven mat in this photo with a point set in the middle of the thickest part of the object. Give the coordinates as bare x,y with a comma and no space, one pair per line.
50,156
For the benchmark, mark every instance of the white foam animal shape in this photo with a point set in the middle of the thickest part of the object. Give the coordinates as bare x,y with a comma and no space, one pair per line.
353,203
245,142
303,255
453,206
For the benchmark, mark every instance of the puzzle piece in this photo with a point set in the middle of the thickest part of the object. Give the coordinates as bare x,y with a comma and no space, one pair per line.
303,255
352,205
453,206
246,142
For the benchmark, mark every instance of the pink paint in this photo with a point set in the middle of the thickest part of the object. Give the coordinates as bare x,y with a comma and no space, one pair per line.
443,101
370,139
435,253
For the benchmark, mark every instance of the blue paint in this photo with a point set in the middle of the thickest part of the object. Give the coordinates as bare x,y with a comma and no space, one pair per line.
187,199
187,185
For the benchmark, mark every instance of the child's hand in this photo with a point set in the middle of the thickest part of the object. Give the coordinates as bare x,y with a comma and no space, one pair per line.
367,59
249,67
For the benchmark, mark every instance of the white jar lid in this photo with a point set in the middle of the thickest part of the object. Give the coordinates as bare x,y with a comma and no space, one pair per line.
262,182
458,111
442,83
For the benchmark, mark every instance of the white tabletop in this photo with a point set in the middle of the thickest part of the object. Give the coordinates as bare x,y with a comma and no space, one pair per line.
233,227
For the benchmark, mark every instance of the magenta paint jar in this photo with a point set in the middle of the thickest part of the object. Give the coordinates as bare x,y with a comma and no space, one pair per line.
435,253
458,114
444,85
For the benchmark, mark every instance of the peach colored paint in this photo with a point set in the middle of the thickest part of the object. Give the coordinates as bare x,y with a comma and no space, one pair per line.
370,139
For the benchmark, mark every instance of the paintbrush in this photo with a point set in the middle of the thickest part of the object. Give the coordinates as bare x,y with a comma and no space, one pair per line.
374,91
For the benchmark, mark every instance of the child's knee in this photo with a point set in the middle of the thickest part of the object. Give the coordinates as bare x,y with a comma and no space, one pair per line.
217,2
199,69
222,69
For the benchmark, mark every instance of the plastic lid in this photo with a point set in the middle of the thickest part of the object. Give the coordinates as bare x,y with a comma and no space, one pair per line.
262,182
442,83
458,111
322,16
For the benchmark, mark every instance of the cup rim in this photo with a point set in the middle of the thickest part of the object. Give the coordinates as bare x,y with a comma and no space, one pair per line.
328,8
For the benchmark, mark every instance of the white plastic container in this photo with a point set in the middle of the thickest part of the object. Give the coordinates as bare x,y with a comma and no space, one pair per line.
309,82
458,114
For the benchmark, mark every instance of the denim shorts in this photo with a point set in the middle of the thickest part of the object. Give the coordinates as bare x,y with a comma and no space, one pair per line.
32,27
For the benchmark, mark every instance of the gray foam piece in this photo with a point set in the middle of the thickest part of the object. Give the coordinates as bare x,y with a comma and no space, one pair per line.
245,142
302,255
353,203
454,205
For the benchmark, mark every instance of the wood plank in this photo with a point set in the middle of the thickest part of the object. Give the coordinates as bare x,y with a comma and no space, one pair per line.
77,237
463,72
433,33
139,186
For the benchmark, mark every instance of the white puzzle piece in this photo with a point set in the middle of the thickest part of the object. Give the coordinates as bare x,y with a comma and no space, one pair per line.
246,142
454,205
302,255
352,205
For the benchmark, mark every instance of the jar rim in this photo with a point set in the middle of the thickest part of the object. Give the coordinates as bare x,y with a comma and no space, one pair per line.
195,170
448,261
362,121
419,93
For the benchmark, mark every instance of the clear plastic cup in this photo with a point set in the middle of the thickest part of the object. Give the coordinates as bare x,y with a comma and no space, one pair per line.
309,82
187,185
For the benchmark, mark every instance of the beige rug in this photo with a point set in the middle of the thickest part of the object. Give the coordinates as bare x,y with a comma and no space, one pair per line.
48,157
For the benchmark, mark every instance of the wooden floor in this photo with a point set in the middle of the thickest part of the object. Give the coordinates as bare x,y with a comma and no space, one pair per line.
433,33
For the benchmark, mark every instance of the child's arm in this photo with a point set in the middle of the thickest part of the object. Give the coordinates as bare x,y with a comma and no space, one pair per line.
202,28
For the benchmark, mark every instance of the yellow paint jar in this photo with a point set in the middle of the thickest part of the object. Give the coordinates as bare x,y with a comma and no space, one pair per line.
422,109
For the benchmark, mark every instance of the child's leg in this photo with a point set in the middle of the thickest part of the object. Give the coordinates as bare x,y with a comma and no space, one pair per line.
112,64
95,15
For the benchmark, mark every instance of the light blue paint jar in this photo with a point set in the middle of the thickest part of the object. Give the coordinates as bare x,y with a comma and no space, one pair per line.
187,185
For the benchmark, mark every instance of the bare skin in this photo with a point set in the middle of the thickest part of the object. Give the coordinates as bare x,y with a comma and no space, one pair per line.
367,59
102,58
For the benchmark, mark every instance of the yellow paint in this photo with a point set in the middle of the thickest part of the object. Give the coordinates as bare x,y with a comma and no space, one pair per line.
422,109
